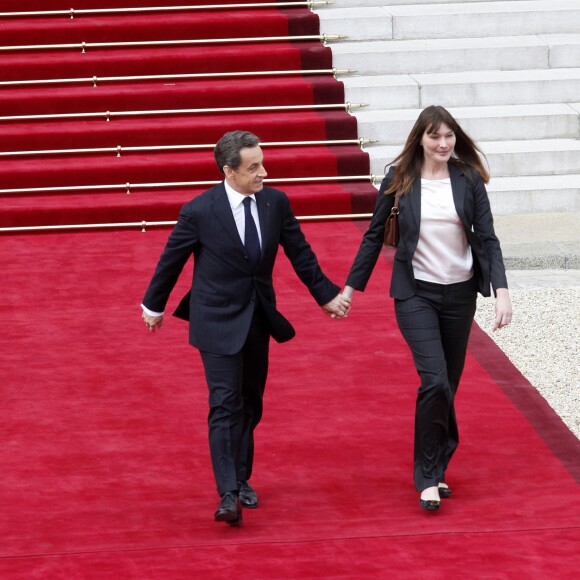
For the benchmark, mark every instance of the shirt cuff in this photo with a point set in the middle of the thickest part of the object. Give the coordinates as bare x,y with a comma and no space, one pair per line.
150,312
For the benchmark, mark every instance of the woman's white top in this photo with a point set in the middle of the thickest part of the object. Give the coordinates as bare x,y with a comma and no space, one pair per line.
443,254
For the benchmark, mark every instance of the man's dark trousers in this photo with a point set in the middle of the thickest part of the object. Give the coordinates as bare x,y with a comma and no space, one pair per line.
236,387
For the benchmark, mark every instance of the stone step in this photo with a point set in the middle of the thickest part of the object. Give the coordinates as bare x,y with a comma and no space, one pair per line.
364,23
509,122
534,194
537,241
453,20
537,157
507,158
381,3
433,56
463,89
564,49
508,71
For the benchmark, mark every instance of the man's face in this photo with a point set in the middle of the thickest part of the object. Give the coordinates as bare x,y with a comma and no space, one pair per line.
248,177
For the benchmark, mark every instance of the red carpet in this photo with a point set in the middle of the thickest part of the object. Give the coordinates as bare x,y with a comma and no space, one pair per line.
48,79
172,166
197,94
137,27
105,461
105,466
184,60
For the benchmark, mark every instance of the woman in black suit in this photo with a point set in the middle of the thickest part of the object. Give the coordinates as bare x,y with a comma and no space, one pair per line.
448,251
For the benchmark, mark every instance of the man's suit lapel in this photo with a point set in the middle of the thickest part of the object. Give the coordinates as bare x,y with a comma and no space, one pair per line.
223,213
264,216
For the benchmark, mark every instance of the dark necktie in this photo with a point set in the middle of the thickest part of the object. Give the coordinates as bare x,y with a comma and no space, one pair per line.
251,239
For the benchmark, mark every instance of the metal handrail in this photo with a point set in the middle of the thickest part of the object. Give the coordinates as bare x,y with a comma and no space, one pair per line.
71,13
108,115
143,225
119,149
84,46
129,187
183,76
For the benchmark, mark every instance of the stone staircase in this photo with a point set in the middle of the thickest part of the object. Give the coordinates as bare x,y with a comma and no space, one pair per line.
509,71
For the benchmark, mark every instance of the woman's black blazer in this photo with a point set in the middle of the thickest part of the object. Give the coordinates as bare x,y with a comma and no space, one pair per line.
472,206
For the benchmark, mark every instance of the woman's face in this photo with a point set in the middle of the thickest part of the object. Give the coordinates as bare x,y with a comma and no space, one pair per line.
438,146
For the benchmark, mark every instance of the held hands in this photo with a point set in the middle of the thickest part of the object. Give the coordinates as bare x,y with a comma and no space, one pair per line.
338,307
503,309
152,322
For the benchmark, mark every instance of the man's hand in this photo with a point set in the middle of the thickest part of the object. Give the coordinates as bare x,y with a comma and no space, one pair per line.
338,307
152,322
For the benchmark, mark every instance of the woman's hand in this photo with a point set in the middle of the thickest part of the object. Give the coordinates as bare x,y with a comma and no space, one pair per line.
503,308
343,301
348,292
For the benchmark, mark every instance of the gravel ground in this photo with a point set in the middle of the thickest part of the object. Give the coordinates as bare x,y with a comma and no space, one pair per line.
542,342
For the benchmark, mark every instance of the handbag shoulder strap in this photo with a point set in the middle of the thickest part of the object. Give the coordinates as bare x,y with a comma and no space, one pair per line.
396,204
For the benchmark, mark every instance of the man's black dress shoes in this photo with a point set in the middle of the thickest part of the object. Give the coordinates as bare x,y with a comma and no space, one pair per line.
444,492
229,510
248,497
431,505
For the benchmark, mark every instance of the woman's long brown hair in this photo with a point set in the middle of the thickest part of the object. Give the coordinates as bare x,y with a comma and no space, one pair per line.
409,162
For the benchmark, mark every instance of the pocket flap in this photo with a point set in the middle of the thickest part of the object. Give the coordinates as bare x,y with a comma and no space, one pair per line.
209,299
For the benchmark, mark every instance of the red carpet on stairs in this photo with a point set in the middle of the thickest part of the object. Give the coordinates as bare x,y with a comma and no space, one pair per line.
172,166
63,102
159,204
137,27
160,61
198,94
105,465
175,130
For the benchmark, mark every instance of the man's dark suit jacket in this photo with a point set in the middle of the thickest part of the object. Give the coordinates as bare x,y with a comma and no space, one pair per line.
224,290
472,206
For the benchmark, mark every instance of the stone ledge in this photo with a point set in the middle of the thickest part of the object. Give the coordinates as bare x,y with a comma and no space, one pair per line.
540,241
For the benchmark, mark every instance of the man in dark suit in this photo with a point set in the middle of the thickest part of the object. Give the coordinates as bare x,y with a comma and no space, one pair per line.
233,230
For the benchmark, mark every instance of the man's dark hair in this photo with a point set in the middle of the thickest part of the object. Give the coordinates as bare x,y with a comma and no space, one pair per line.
227,149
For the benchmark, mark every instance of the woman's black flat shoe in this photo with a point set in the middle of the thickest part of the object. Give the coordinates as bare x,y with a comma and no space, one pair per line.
431,505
